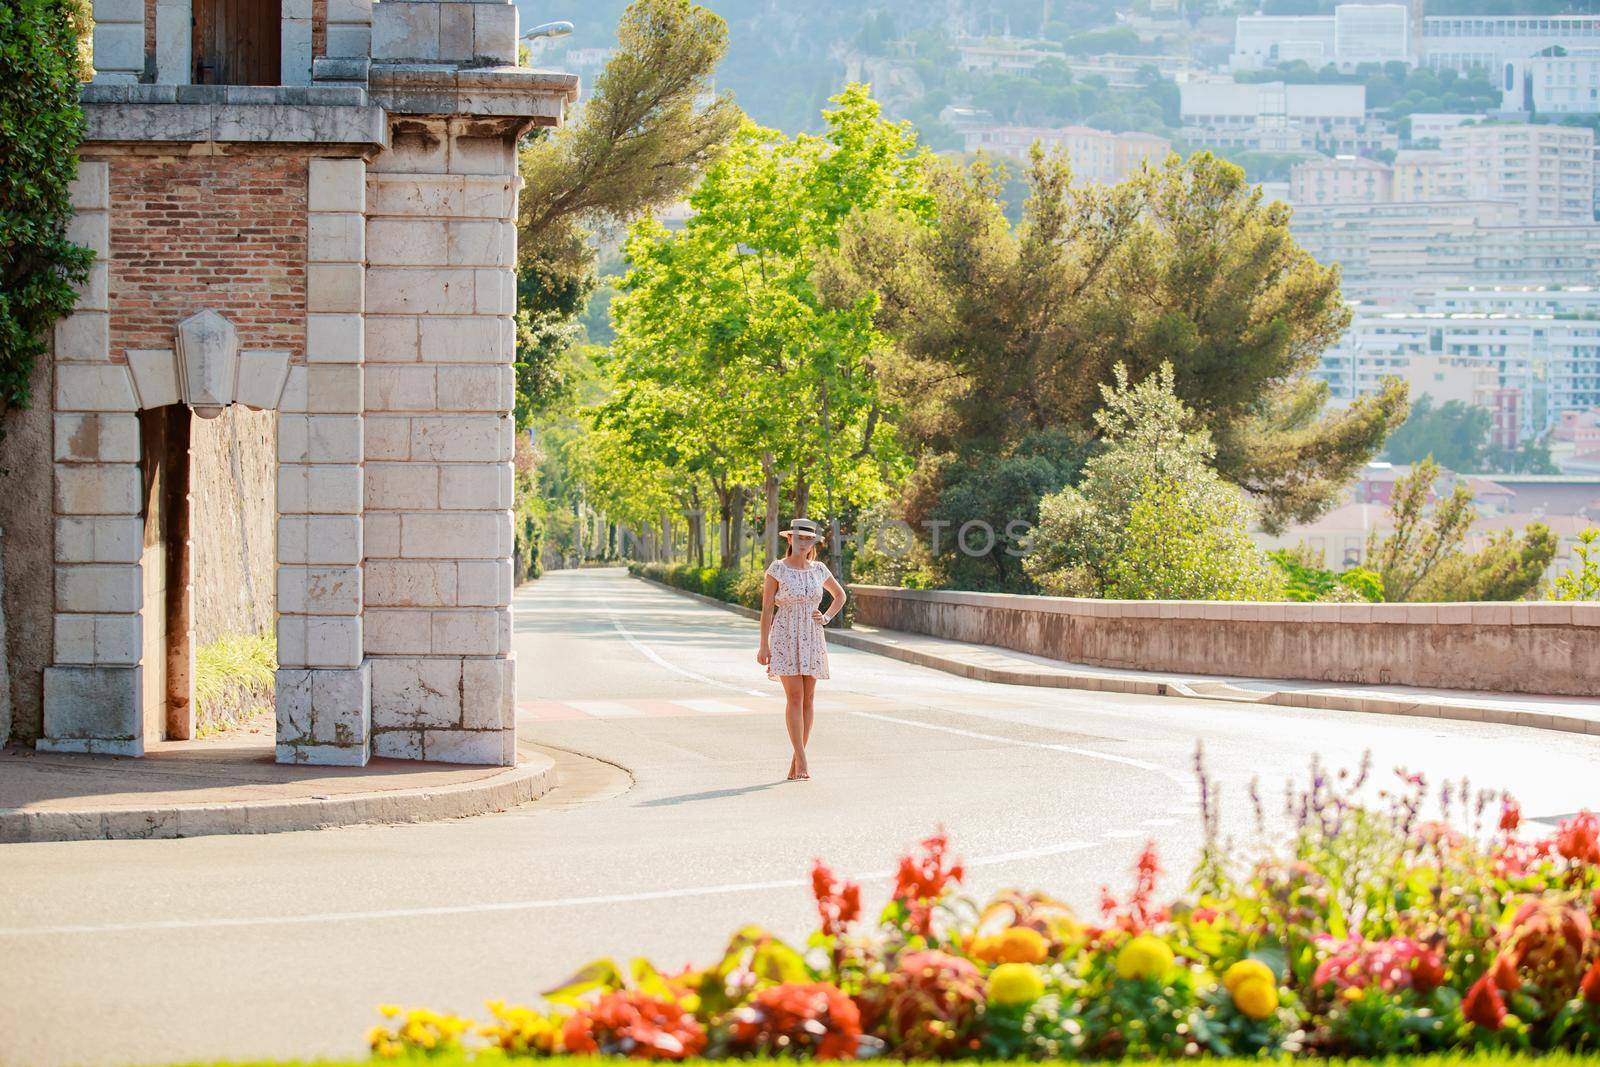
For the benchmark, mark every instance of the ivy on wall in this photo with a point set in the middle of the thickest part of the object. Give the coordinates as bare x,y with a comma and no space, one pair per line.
44,54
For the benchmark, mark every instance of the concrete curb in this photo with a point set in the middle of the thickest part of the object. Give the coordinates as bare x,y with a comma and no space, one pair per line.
532,777
1194,689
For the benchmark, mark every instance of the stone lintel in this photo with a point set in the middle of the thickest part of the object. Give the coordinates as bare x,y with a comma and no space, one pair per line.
365,126
539,97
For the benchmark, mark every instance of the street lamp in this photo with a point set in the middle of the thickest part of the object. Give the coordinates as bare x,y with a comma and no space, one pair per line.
549,30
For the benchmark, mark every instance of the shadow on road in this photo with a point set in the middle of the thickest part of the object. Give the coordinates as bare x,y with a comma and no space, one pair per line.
711,794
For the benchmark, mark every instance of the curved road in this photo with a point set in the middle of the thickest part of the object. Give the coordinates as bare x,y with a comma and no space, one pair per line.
280,945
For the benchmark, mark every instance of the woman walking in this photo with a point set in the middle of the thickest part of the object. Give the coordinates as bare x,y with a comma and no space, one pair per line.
793,648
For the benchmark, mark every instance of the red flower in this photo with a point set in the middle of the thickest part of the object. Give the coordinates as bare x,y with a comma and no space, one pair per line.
1510,815
923,880
1138,913
1579,838
813,1017
1427,971
634,1024
1503,971
1483,1004
838,902
1589,988
928,1007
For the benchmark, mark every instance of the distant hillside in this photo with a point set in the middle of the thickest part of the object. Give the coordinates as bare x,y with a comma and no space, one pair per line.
786,58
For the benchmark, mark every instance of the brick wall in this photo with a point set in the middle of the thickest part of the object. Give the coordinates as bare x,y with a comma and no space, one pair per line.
224,232
319,27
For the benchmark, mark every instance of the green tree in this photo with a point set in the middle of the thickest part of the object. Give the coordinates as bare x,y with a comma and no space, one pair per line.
1456,435
1150,519
43,51
640,141
1510,567
726,359
1582,582
1423,537
1003,331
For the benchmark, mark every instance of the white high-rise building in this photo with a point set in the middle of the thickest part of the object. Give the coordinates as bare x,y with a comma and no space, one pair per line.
1462,42
1352,35
1371,33
1547,171
1567,83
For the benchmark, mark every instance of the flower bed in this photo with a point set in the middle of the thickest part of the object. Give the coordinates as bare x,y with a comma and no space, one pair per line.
1365,929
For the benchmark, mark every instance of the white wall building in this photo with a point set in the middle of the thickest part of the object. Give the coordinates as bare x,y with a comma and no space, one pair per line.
1462,42
1565,84
1277,117
1353,34
1547,171
1095,155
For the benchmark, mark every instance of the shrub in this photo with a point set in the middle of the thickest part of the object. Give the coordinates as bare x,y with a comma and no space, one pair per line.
1583,581
41,123
1151,518
234,680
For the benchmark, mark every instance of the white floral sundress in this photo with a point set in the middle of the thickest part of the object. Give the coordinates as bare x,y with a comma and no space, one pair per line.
796,642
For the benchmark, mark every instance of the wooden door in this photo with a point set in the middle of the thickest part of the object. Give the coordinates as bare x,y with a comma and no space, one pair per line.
166,641
236,42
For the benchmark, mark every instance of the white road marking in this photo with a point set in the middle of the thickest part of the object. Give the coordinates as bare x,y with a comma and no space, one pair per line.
1041,852
605,709
713,707
1159,822
650,654
1118,835
1182,779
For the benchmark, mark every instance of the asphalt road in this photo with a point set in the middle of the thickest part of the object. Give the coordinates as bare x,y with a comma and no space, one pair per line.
672,828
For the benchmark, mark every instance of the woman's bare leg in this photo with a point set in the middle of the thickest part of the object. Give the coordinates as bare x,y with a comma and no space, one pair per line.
807,705
794,718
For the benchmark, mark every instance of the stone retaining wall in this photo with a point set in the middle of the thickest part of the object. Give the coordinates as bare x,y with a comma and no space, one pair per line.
1512,648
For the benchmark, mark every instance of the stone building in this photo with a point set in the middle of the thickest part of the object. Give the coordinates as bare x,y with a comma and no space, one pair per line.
284,399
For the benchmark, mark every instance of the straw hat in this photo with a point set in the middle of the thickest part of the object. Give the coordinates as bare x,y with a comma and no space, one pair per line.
804,529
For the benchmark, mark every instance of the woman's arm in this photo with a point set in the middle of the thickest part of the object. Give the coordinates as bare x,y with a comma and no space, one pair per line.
769,590
836,605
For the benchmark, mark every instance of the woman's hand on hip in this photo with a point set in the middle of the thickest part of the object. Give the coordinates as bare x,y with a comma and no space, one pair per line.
819,618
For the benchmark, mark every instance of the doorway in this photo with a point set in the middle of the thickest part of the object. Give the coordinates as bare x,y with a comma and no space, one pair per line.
237,42
166,658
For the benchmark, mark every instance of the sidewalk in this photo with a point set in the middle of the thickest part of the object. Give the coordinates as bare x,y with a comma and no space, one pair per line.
988,663
231,785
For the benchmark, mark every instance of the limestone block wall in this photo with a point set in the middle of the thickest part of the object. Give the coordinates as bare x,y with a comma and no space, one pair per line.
1509,648
439,436
324,685
234,468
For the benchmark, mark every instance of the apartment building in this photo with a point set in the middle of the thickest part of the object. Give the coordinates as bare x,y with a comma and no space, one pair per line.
1543,344
1557,81
1341,179
1393,251
1418,174
1096,155
1465,42
1277,117
1547,171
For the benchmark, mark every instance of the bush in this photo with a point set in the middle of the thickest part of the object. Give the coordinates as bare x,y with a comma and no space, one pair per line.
1305,579
1583,581
41,123
1151,519
234,680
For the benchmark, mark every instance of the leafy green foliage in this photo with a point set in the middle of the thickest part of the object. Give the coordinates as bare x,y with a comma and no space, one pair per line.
639,142
1582,582
1150,518
41,123
727,362
1423,536
1510,566
1456,435
1305,580
1001,331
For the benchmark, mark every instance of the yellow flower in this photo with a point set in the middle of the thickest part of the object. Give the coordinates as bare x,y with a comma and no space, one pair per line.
1021,944
388,1011
1256,997
1015,984
1144,957
1247,969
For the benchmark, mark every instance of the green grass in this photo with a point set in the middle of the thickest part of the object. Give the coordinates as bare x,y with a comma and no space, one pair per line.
1477,1059
233,680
